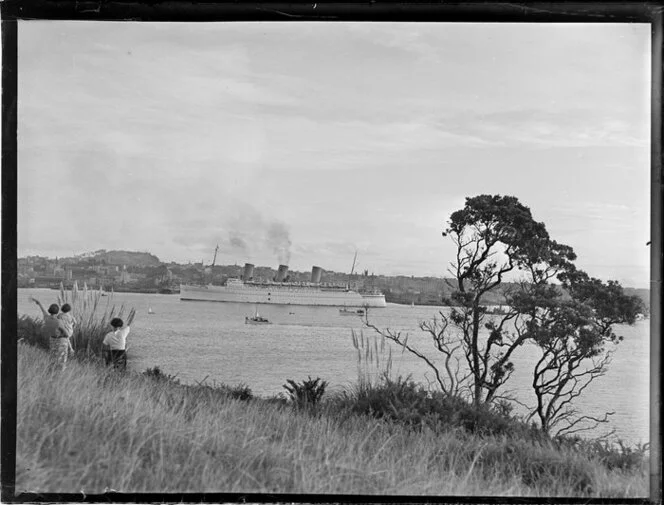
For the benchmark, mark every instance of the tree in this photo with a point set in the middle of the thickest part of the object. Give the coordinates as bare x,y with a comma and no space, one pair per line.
495,236
570,322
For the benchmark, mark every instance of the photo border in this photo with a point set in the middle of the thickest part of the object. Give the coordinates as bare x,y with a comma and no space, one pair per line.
14,11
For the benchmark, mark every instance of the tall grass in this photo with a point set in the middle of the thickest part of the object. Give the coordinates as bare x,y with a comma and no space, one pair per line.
93,313
90,428
374,359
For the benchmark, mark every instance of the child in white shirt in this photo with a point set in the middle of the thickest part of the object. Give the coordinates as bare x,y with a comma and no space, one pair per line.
116,340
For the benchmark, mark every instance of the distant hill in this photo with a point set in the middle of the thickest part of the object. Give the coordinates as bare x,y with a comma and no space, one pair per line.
128,258
497,297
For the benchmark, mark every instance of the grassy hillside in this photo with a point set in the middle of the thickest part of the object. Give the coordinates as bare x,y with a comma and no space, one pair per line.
89,429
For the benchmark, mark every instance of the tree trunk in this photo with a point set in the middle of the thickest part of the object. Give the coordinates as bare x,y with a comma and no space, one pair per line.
477,397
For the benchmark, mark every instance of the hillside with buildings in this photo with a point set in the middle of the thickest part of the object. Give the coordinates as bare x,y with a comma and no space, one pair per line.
144,272
131,271
129,258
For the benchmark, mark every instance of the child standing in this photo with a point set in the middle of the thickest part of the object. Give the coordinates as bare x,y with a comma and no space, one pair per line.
116,340
68,321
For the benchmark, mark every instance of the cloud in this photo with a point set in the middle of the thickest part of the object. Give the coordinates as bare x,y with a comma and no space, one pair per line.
560,128
413,40
314,139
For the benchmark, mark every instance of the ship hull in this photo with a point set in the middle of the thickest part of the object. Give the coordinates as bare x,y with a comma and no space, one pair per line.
281,295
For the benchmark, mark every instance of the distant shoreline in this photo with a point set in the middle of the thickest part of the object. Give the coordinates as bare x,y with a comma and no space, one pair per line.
115,290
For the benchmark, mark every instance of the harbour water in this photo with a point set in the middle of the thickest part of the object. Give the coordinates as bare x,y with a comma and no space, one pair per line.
209,341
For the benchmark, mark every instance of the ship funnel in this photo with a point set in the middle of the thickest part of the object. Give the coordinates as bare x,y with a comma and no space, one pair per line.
281,273
315,274
248,272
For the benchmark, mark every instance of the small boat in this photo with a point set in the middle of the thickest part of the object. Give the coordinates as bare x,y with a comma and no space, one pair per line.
257,319
349,312
150,311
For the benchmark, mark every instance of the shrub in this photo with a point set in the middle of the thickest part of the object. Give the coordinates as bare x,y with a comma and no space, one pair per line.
202,392
240,392
409,404
612,455
218,392
157,374
477,419
306,394
399,400
29,330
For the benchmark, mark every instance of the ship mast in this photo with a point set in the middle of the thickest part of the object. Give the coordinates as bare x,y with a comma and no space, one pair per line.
352,270
216,249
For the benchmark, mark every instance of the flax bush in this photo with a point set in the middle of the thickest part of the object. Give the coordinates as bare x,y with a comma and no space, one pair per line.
307,393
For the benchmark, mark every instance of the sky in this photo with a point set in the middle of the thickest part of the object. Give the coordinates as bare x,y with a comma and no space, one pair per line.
302,143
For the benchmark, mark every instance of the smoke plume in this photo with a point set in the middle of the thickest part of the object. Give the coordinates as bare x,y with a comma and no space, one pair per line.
279,240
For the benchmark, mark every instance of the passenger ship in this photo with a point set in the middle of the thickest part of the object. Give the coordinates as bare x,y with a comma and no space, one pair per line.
282,292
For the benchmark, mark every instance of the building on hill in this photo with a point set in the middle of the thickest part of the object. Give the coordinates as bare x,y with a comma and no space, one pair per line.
125,277
106,269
